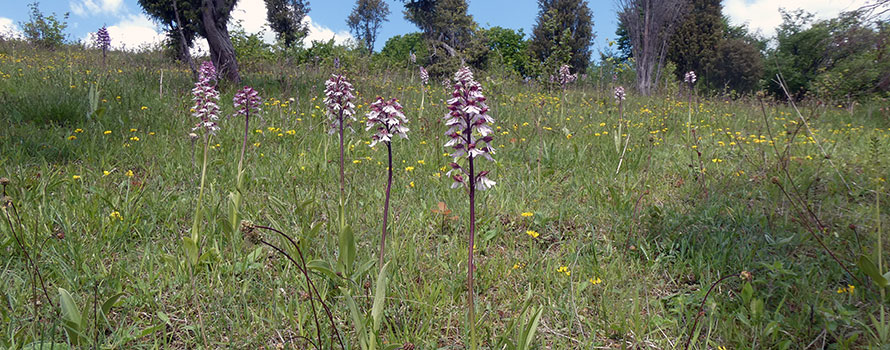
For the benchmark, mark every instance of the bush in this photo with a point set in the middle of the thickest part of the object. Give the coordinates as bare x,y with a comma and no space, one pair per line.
509,50
398,49
45,31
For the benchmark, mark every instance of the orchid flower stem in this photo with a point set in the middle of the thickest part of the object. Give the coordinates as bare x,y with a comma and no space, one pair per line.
386,203
471,311
342,213
199,207
194,236
239,177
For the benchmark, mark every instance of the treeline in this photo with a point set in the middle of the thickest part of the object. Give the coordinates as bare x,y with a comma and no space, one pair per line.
657,42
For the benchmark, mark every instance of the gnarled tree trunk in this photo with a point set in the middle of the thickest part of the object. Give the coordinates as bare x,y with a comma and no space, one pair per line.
649,24
221,50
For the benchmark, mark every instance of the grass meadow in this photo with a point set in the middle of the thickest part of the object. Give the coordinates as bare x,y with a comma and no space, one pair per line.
776,204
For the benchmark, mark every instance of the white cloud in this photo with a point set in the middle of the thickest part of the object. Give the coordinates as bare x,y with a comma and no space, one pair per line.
93,7
9,29
133,32
318,32
764,15
251,15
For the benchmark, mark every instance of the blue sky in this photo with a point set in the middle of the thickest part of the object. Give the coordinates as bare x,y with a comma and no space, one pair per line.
129,27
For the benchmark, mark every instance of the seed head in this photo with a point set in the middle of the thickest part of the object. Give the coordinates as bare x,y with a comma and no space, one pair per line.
745,275
5,202
251,234
389,119
4,181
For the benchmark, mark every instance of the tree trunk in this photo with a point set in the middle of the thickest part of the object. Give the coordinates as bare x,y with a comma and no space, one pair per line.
184,53
221,50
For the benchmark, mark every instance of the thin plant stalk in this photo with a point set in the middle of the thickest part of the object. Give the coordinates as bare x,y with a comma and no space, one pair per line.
194,237
471,311
342,212
880,249
422,96
386,203
239,177
468,115
199,206
387,117
310,287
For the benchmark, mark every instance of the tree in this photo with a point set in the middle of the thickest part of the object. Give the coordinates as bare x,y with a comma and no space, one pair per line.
207,18
511,48
840,59
625,50
444,21
400,47
365,20
735,64
696,39
560,51
45,31
573,16
449,32
799,55
650,24
286,18
875,8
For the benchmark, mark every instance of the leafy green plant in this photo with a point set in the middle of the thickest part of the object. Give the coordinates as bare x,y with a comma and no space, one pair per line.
45,31
367,326
520,331
95,110
75,322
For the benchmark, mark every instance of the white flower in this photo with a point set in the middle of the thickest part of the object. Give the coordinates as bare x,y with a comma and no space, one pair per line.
387,116
338,99
469,128
619,93
690,77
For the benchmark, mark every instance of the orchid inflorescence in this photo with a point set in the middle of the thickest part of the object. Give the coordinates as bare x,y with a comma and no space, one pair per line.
205,96
619,93
467,118
690,78
424,76
565,75
388,117
103,40
338,98
246,100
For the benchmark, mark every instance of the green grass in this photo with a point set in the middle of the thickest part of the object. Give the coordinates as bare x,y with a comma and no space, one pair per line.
657,234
